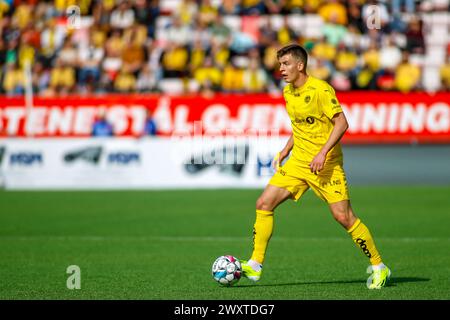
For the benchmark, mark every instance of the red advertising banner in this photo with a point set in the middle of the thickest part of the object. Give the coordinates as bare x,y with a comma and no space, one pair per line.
374,117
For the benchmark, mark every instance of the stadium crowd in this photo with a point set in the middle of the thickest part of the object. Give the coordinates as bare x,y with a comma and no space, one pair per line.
121,47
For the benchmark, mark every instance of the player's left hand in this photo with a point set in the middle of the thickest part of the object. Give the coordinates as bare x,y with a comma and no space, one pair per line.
317,163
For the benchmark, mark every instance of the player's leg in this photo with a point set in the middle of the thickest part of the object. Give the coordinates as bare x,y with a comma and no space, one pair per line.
331,186
343,213
271,197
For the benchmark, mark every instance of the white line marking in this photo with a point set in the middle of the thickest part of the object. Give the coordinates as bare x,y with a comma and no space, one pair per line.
203,238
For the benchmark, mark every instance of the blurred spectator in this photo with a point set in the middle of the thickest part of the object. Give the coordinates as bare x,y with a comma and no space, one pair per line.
149,125
333,31
272,6
133,55
41,79
390,55
321,70
267,33
371,58
4,8
324,50
125,82
286,34
68,53
179,33
174,61
123,16
340,81
187,11
147,80
386,80
62,78
207,13
13,80
333,11
354,17
101,126
89,58
252,7
115,44
294,6
220,33
346,59
445,75
311,6
353,38
22,14
397,6
220,54
241,42
26,54
407,75
270,61
229,7
102,14
51,40
208,75
232,80
153,14
415,40
201,33
255,78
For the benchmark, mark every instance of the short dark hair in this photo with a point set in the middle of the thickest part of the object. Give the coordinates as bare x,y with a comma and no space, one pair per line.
296,51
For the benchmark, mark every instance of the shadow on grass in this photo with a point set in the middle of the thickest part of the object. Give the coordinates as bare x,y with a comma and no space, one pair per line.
392,283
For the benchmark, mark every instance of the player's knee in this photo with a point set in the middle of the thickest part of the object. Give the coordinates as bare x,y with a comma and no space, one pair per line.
344,217
263,204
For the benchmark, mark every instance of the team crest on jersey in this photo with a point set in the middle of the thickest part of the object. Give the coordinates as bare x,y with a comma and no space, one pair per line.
307,99
334,101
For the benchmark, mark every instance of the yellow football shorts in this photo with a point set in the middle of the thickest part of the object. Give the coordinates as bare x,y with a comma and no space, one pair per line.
330,184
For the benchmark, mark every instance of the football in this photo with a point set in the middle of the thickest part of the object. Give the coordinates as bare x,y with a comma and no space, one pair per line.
226,270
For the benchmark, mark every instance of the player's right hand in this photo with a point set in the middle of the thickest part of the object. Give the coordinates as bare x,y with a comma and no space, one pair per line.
276,161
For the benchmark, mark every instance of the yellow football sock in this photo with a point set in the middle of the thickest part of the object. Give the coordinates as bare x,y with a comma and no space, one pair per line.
262,231
363,239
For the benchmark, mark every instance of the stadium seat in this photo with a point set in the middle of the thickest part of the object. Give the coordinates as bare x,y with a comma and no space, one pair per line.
172,86
430,78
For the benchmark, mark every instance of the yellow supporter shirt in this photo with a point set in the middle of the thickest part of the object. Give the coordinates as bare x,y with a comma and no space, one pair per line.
64,76
175,59
202,75
407,76
311,108
445,75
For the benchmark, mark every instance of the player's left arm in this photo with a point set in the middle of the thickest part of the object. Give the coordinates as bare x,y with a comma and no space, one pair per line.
333,111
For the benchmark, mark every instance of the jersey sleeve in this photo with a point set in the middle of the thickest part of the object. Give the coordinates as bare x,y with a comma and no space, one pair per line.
328,101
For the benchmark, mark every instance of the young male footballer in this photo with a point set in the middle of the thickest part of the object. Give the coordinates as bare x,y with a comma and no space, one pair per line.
316,162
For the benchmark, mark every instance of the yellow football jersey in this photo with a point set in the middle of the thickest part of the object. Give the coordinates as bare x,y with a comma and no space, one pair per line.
311,108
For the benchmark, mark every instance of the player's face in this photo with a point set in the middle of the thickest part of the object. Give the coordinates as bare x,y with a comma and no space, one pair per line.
290,68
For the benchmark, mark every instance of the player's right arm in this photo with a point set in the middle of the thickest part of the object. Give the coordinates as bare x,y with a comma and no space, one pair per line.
283,153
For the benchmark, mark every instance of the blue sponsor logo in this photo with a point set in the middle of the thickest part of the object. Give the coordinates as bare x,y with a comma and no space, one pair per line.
26,158
264,167
124,158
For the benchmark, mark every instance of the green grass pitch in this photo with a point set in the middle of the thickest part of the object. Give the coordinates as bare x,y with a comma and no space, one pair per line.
161,244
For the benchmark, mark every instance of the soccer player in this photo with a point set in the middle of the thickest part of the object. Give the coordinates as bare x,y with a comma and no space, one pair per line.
316,162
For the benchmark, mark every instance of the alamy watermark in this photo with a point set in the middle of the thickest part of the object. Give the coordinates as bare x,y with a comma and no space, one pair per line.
74,280
225,147
73,14
373,19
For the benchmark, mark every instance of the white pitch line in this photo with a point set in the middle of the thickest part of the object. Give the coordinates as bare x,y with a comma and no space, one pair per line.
204,238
